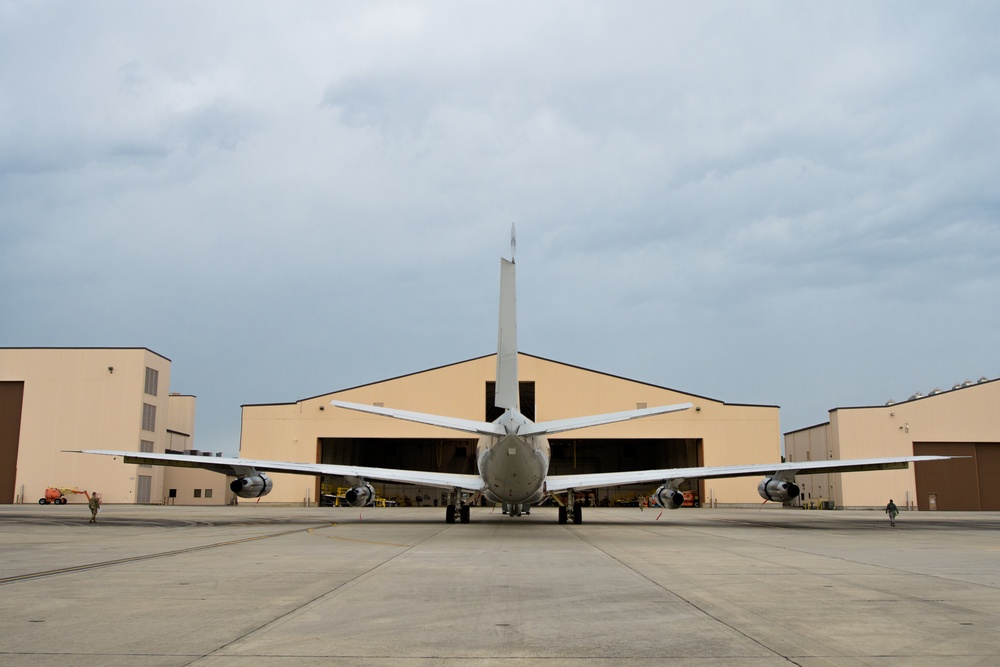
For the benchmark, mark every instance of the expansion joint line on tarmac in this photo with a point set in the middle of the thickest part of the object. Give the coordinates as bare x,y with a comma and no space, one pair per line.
133,559
676,595
333,591
891,568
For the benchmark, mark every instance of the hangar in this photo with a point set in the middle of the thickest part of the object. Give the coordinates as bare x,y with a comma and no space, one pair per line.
964,421
311,431
53,399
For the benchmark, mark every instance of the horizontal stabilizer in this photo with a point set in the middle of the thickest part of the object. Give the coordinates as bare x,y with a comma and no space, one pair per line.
466,425
561,425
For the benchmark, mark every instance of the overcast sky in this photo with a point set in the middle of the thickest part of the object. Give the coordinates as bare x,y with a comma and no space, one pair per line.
788,203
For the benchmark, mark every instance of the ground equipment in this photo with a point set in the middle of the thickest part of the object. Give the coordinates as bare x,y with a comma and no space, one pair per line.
56,495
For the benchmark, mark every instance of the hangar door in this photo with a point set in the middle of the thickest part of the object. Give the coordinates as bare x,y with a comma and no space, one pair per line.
596,455
11,399
960,484
445,455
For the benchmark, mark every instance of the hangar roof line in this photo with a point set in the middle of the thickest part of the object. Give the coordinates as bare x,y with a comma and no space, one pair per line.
486,356
895,404
77,347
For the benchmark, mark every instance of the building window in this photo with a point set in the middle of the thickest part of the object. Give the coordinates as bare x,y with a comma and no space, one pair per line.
146,446
148,417
152,380
197,493
208,493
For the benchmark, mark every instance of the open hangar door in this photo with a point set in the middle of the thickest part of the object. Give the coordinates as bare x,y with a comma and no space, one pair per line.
576,456
960,484
456,455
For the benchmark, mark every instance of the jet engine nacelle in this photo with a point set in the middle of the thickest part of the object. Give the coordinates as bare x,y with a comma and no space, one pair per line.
669,498
252,486
777,490
360,496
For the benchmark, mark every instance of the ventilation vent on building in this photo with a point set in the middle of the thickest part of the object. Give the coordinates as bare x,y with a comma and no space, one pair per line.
982,380
915,396
935,391
890,402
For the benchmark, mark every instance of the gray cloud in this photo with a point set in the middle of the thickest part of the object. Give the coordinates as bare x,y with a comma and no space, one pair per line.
765,203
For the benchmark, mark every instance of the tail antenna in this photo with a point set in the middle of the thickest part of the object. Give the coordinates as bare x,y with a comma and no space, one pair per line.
513,242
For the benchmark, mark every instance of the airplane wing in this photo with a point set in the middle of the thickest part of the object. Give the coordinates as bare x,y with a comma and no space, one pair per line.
238,467
466,425
555,483
561,425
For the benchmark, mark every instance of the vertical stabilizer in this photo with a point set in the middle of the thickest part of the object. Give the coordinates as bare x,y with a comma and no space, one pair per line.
507,389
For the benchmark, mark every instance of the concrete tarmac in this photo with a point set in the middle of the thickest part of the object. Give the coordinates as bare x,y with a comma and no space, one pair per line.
212,586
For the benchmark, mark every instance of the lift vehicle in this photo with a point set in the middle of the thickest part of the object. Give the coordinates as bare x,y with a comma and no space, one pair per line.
56,495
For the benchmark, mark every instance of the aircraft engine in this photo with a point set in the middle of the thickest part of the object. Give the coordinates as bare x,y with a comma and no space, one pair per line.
361,495
252,486
669,498
777,490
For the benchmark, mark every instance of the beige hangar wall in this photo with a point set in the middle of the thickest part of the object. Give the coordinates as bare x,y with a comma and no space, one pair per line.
731,434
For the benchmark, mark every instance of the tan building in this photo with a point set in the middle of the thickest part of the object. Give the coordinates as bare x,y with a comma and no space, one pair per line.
55,399
189,486
310,430
964,421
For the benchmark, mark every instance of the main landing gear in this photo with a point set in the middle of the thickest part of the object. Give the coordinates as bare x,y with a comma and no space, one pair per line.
460,512
570,510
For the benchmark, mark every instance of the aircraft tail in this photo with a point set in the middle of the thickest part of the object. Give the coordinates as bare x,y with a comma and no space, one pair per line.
507,393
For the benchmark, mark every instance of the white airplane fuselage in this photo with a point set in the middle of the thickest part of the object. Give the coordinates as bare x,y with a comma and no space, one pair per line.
513,468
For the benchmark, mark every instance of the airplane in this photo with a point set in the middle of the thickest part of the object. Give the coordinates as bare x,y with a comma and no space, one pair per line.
513,452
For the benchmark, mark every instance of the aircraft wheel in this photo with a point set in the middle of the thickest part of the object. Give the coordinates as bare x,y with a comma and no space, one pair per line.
449,517
465,513
562,514
577,515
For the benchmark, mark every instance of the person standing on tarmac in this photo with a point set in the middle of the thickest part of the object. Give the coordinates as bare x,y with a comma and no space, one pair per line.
95,506
892,511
